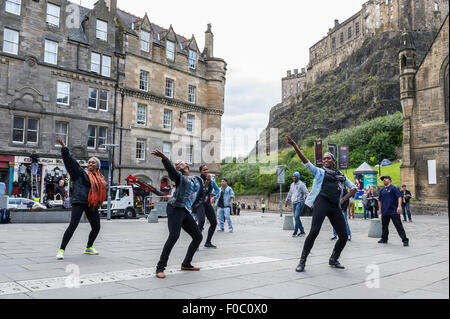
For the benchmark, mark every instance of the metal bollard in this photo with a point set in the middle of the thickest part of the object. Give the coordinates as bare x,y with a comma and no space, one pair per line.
288,222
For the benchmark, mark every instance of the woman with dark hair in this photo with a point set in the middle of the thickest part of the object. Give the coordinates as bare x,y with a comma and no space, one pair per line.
89,193
326,198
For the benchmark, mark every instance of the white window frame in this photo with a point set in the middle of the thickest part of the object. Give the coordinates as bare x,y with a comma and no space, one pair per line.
190,123
143,80
106,65
53,19
167,119
100,31
170,50
93,137
94,64
143,149
30,130
60,89
145,41
192,92
100,128
24,129
13,6
60,134
141,114
192,59
13,42
167,149
48,55
170,88
100,100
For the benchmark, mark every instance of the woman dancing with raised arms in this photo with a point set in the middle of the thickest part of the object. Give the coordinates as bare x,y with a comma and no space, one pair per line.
326,199
89,193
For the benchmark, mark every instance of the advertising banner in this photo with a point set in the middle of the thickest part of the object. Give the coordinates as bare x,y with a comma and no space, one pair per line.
318,153
332,148
370,180
343,157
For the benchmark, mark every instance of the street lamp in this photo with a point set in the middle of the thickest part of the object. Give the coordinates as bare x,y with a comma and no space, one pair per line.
110,147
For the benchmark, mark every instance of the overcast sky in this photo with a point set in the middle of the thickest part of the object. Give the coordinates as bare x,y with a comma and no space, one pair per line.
260,41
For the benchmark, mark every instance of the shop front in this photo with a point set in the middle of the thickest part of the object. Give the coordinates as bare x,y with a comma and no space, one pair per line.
7,172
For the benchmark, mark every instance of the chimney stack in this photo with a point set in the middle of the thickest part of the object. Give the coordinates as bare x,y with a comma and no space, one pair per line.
209,42
295,71
112,5
336,23
289,73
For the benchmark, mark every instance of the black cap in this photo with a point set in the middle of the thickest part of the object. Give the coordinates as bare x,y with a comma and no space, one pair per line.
383,177
224,179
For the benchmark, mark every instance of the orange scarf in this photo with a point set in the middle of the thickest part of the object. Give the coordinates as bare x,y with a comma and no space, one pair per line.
97,194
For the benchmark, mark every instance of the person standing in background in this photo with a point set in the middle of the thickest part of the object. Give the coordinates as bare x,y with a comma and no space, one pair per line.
297,195
351,208
372,202
224,205
364,202
405,203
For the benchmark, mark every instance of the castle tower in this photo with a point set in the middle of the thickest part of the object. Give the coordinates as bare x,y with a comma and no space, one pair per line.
407,63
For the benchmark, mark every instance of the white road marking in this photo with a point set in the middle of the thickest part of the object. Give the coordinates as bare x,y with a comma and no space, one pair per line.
11,288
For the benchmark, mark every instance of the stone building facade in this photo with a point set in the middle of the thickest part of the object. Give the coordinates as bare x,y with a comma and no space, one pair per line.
425,101
74,72
375,16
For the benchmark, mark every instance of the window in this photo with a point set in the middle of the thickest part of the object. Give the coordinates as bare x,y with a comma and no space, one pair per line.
145,41
417,4
436,6
167,149
190,150
191,94
106,65
93,96
63,93
167,119
349,33
298,87
10,41
51,52
143,82
292,88
32,131
102,30
357,28
190,123
342,37
140,150
95,62
170,50
141,114
333,43
61,130
18,129
13,6
192,59
102,137
169,88
92,137
53,12
103,101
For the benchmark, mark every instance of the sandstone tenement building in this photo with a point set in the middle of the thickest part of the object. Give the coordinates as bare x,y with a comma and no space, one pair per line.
425,101
99,76
375,16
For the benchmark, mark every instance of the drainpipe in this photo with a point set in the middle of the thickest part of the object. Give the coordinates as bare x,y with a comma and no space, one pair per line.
121,137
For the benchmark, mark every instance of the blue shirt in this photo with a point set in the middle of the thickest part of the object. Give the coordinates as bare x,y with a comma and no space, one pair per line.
195,187
389,200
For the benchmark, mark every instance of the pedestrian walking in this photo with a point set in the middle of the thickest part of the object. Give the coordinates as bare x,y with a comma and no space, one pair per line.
326,198
89,193
372,202
224,205
179,209
405,203
297,195
239,208
364,203
351,208
263,207
203,207
390,203
344,209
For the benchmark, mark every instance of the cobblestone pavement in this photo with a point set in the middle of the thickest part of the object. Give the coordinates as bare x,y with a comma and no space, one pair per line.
257,261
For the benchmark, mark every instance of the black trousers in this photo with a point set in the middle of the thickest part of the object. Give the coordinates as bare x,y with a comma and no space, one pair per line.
398,225
93,217
178,218
373,212
324,208
206,210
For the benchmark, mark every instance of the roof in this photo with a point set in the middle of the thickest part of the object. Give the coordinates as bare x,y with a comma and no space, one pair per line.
365,169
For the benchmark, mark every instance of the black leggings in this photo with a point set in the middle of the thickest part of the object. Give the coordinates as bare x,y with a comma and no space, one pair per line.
178,218
324,208
206,210
93,218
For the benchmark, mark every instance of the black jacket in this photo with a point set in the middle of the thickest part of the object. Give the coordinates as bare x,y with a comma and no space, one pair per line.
183,184
80,179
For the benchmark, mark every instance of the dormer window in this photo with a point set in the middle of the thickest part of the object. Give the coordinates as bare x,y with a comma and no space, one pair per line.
102,30
170,50
145,41
192,59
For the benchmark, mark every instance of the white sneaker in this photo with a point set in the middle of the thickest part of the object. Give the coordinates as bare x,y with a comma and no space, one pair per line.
231,230
60,254
91,251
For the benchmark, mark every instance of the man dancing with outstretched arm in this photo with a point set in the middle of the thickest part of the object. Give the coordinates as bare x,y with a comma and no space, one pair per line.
179,209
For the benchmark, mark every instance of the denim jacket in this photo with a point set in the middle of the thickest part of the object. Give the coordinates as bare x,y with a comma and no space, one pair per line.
319,175
228,195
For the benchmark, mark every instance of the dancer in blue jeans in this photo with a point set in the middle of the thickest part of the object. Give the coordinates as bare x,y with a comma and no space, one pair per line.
297,195
224,205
